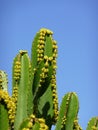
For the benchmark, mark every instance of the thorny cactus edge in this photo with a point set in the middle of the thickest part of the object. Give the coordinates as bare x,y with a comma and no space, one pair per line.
33,104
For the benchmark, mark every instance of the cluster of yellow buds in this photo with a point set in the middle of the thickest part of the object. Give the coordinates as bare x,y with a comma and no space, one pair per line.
41,43
15,94
33,120
55,98
17,70
4,96
63,121
43,126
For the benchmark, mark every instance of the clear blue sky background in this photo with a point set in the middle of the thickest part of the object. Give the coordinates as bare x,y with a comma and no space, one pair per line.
75,27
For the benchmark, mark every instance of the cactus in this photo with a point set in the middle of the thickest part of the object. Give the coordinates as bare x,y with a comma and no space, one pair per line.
33,104
93,124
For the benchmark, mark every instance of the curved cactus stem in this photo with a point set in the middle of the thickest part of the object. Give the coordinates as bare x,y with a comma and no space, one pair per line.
22,80
93,124
68,112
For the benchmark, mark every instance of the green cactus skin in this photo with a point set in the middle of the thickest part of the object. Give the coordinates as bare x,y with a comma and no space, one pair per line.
4,121
44,80
22,80
93,124
68,112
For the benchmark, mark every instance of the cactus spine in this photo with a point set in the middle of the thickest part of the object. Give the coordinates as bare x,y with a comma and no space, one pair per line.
34,101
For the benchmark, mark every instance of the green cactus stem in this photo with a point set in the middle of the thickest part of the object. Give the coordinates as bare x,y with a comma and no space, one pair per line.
93,124
22,87
68,112
43,57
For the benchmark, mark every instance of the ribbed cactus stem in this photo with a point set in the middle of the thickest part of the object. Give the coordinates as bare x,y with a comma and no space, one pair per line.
22,87
44,80
68,112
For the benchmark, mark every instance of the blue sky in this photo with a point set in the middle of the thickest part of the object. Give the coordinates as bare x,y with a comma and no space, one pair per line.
75,27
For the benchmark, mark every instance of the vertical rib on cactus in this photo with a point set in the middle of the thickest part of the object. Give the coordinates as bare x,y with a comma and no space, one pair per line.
22,82
93,124
68,112
44,81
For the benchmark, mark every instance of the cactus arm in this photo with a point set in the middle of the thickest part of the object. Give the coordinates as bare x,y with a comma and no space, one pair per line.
72,111
44,81
93,124
68,112
22,80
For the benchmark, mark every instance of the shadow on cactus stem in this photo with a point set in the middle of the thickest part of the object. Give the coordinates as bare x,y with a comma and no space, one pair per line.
33,104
